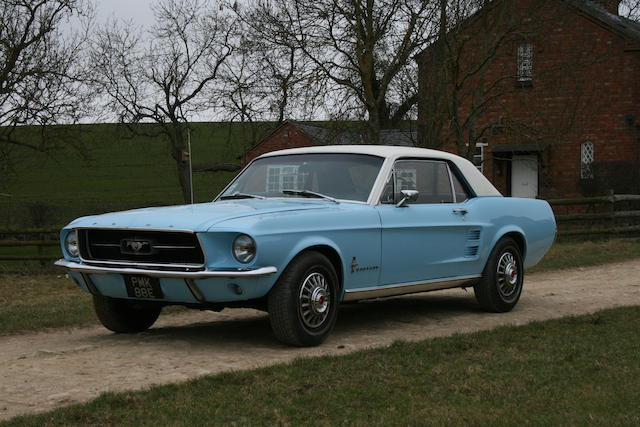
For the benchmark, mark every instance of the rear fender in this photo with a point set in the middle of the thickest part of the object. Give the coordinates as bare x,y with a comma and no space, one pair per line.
501,233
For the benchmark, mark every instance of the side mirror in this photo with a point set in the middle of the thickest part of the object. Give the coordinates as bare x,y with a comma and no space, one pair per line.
408,195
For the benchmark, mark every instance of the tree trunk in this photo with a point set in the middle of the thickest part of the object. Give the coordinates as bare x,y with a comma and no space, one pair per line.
184,176
180,154
373,131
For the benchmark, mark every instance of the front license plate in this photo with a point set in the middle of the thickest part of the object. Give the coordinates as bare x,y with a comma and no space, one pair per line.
143,286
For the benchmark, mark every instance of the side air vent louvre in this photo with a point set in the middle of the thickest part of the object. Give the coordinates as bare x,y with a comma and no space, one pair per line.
473,234
471,251
473,243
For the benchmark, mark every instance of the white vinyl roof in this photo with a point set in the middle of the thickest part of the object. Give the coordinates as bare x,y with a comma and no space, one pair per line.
479,183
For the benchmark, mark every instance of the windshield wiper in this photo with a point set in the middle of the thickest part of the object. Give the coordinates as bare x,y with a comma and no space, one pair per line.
307,193
238,195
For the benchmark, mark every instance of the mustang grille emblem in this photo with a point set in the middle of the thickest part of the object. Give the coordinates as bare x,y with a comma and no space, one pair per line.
135,247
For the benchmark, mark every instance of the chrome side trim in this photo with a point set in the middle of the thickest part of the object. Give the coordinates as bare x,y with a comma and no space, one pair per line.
90,269
408,288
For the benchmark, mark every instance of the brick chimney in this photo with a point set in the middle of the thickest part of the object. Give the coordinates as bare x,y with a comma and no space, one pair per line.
611,6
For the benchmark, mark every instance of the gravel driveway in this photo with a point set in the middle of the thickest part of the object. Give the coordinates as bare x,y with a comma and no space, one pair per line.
41,371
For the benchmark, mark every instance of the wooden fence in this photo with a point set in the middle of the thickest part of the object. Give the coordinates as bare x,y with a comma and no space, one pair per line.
615,215
41,239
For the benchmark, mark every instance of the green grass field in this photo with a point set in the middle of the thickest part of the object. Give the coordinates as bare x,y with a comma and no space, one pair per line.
574,371
105,168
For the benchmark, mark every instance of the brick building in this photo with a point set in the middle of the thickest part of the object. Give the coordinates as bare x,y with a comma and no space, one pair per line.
548,99
291,134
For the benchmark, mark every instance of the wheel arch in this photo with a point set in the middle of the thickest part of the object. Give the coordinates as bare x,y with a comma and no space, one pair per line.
514,233
520,241
325,248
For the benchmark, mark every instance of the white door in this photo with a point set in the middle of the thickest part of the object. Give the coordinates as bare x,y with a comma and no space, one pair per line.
524,176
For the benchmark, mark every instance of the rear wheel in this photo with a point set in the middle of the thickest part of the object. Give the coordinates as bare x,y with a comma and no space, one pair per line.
303,304
501,284
125,316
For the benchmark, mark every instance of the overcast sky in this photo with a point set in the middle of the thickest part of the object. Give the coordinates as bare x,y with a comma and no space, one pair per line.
136,10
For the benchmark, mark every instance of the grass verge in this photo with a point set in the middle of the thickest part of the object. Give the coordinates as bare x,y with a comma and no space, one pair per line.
587,253
31,302
573,371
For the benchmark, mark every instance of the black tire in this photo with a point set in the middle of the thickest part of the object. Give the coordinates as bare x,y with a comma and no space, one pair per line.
303,304
501,285
124,316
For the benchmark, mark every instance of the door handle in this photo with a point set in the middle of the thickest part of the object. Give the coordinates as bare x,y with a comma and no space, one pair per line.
460,211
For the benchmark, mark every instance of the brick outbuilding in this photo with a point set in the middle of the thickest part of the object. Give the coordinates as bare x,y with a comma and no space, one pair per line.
553,111
292,134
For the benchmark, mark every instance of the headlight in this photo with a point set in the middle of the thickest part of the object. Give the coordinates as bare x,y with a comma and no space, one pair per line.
71,244
244,248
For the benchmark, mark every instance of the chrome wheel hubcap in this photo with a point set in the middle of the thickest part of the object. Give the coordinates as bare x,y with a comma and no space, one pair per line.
314,300
507,275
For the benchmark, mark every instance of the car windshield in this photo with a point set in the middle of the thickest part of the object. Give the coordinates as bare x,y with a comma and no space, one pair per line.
338,176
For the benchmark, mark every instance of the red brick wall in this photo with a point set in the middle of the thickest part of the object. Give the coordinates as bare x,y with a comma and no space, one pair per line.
586,83
287,136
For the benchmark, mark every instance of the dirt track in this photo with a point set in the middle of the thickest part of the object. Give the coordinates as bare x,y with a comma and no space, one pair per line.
41,371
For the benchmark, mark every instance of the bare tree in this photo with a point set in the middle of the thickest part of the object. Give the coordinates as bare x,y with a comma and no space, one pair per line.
358,50
267,80
163,75
630,9
41,71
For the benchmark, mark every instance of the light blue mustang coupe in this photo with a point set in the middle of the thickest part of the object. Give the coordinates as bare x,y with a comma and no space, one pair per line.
299,231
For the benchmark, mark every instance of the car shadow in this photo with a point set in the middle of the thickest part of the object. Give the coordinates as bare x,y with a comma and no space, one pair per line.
363,317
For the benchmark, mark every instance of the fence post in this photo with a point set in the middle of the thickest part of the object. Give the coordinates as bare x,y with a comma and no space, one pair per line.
41,249
613,210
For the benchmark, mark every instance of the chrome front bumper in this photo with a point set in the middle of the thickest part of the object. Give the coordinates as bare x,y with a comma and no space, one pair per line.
204,274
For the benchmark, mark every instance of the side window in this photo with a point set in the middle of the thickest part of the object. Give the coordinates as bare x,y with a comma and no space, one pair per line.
429,177
461,193
388,192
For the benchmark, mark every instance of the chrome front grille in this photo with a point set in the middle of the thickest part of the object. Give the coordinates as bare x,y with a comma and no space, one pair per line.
140,246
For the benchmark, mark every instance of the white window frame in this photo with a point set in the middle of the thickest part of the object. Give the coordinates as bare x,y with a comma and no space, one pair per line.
525,62
480,166
587,157
404,176
278,174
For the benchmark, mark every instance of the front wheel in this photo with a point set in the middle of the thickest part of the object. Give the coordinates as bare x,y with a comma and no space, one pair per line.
501,284
303,304
125,316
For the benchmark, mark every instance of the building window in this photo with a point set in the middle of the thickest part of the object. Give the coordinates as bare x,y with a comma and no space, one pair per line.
478,156
406,179
283,178
587,155
525,63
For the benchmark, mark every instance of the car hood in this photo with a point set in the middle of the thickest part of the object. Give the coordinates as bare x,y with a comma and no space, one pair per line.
197,217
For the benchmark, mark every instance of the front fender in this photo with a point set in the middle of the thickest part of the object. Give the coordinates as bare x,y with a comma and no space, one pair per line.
308,242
